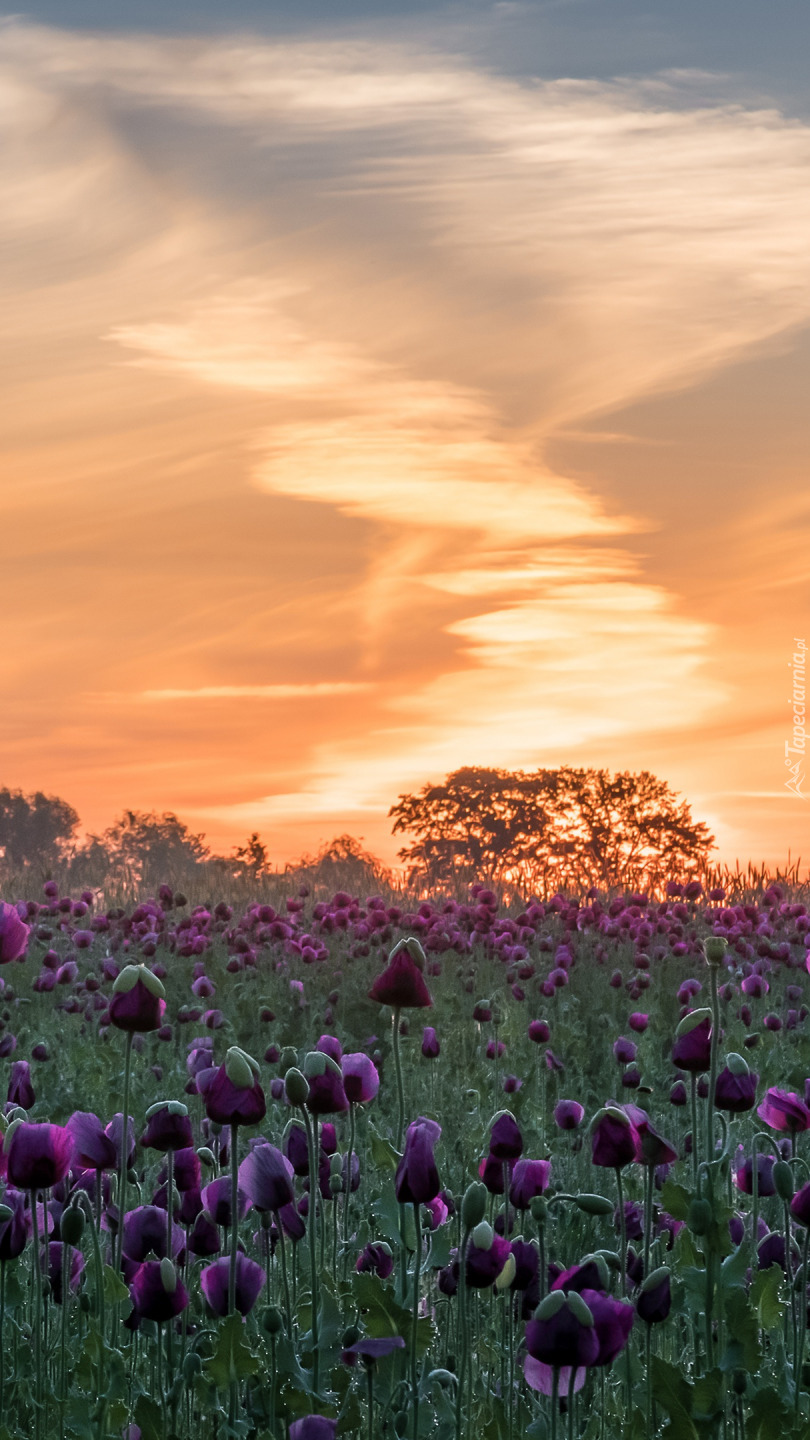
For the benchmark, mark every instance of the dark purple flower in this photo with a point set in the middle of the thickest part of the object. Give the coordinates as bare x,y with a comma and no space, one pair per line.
491,1171
568,1114
38,1156
313,1427
417,1178
361,1080
505,1141
653,1149
613,1321
736,1091
614,1139
371,1350
692,1049
529,1178
145,1233
52,1267
266,1176
169,1128
430,1043
186,1169
203,1237
20,1089
13,934
654,1300
331,1046
376,1259
625,1051
326,1093
485,1262
638,1021
214,1281
539,1032
800,1205
235,1096
14,1231
216,1197
137,1002
114,1132
743,1171
562,1333
402,985
157,1292
585,1276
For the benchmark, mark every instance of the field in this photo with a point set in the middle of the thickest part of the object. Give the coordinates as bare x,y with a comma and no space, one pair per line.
535,1217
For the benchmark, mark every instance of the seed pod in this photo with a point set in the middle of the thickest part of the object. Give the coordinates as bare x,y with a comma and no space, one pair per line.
699,1217
474,1205
783,1180
297,1087
594,1204
71,1224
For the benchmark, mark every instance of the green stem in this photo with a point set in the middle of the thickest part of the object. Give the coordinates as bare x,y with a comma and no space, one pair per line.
712,1064
622,1232
2,1338
370,1382
37,1320
122,1172
313,1251
169,1252
63,1337
347,1192
462,1329
234,1220
282,1250
648,1365
649,1178
398,1069
802,1322
693,1100
417,1273
555,1400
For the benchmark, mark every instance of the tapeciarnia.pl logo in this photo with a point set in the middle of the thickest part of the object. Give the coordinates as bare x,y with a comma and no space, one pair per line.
796,748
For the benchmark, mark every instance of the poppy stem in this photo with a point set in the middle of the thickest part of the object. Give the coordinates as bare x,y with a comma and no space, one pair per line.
398,1069
462,1332
555,1400
622,1230
234,1220
802,1324
313,1252
649,1177
169,1228
347,1192
122,1172
712,1064
370,1380
282,1249
693,1099
66,1266
37,1320
417,1272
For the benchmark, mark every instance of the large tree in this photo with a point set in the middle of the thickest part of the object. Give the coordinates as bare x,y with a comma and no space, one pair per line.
36,832
147,850
545,830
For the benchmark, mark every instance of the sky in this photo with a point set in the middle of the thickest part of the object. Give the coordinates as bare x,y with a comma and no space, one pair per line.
396,387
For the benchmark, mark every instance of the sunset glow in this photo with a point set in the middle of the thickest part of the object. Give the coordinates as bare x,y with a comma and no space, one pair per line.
371,411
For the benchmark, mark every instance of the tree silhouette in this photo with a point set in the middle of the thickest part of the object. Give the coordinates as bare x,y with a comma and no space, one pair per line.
549,829
36,832
147,850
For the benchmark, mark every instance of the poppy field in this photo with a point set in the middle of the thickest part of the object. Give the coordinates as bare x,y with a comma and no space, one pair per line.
464,1170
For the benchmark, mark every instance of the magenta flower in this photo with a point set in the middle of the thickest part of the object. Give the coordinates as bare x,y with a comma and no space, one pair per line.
505,1140
783,1110
568,1114
20,1088
327,1095
13,934
361,1080
638,1021
625,1051
376,1258
401,985
692,1050
14,1231
743,1173
485,1263
560,1335
216,1197
539,1032
371,1350
39,1156
736,1092
249,1281
137,1003
313,1427
145,1233
417,1178
655,1299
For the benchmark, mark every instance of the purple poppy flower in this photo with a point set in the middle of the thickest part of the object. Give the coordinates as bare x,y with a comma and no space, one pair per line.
92,1146
653,1148
145,1233
297,1150
137,1004
735,1091
505,1141
743,1171
186,1169
14,1231
331,1046
613,1321
376,1259
13,934
491,1171
313,1427
266,1176
371,1350
214,1280
691,1050
585,1276
638,1021
235,1096
168,1129
800,1206
529,1178
677,1095
204,1237
625,1051
430,1043
485,1263
216,1197
20,1089
654,1300
539,1032
417,1178
114,1132
157,1292
401,985
361,1080
38,1156
568,1114
614,1139
560,1334
52,1267
326,1093
783,1110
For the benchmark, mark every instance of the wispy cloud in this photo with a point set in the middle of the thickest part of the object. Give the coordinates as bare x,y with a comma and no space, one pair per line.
315,691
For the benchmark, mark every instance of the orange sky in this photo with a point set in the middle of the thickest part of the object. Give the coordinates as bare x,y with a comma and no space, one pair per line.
368,414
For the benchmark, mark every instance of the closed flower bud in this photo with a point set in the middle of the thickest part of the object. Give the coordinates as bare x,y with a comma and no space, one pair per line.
297,1087
715,949
783,1180
594,1204
473,1205
482,1235
168,1275
71,1225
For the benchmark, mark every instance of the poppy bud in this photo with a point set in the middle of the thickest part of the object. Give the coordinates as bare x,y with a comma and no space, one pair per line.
71,1225
783,1180
473,1205
297,1087
714,948
594,1204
